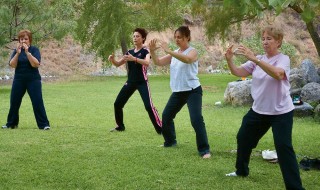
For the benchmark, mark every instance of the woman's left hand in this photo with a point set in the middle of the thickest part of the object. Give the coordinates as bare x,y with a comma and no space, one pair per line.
25,47
246,52
129,57
164,45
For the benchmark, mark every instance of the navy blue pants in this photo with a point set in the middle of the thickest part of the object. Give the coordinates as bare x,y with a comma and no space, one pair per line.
34,89
253,127
177,100
125,93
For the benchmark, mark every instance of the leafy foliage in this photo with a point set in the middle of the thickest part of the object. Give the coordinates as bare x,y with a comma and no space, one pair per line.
219,15
106,25
44,18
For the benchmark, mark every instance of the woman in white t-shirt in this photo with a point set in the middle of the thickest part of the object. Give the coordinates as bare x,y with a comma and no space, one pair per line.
272,106
186,89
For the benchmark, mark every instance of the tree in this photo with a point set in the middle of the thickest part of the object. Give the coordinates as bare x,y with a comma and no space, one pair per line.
221,15
44,18
106,25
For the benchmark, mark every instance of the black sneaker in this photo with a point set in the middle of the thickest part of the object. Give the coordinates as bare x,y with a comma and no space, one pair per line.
117,129
309,163
174,144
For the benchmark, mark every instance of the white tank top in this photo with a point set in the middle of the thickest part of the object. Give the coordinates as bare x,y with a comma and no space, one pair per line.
183,76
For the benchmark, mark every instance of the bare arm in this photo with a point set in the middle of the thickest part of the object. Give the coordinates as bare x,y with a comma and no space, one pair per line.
145,61
165,60
116,63
191,57
235,70
275,72
33,61
14,61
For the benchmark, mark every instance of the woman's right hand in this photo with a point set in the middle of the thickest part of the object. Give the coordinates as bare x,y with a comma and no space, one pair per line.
229,53
111,57
153,45
18,48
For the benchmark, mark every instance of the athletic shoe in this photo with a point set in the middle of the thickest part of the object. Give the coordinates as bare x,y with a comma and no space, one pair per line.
233,174
46,128
117,129
9,127
169,145
206,156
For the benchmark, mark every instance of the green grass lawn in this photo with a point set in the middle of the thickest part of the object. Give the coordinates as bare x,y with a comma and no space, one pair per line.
79,152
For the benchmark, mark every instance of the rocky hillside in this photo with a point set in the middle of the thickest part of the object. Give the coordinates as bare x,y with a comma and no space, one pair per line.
69,58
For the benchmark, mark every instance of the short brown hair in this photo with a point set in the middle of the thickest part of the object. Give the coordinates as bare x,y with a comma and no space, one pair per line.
274,31
24,32
143,33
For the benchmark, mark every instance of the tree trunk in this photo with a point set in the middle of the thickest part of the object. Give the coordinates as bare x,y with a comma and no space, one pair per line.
124,48
311,29
314,35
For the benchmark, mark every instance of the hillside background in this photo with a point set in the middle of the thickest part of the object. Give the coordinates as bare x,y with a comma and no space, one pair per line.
68,58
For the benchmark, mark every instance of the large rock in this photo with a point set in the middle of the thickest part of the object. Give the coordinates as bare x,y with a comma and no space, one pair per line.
297,81
309,71
303,110
311,92
238,93
317,113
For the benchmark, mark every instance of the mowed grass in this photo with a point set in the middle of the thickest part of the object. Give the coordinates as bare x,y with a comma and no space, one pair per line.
79,152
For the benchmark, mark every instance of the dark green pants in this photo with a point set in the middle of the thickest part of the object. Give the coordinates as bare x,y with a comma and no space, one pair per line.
253,127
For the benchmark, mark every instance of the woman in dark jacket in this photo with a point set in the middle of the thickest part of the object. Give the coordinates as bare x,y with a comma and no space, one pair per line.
26,60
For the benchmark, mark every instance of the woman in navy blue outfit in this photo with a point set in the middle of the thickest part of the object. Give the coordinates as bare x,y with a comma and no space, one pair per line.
26,60
138,60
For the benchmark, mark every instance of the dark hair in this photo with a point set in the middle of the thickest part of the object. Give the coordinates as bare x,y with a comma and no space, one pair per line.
184,31
143,33
24,32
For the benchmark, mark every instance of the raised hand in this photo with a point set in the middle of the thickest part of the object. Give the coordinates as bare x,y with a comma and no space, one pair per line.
25,47
129,57
18,48
164,45
153,45
111,57
229,53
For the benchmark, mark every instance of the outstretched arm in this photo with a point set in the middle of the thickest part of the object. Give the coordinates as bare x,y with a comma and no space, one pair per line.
191,57
165,60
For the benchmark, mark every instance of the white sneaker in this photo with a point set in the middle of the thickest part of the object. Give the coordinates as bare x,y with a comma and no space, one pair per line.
206,156
9,127
233,174
46,128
